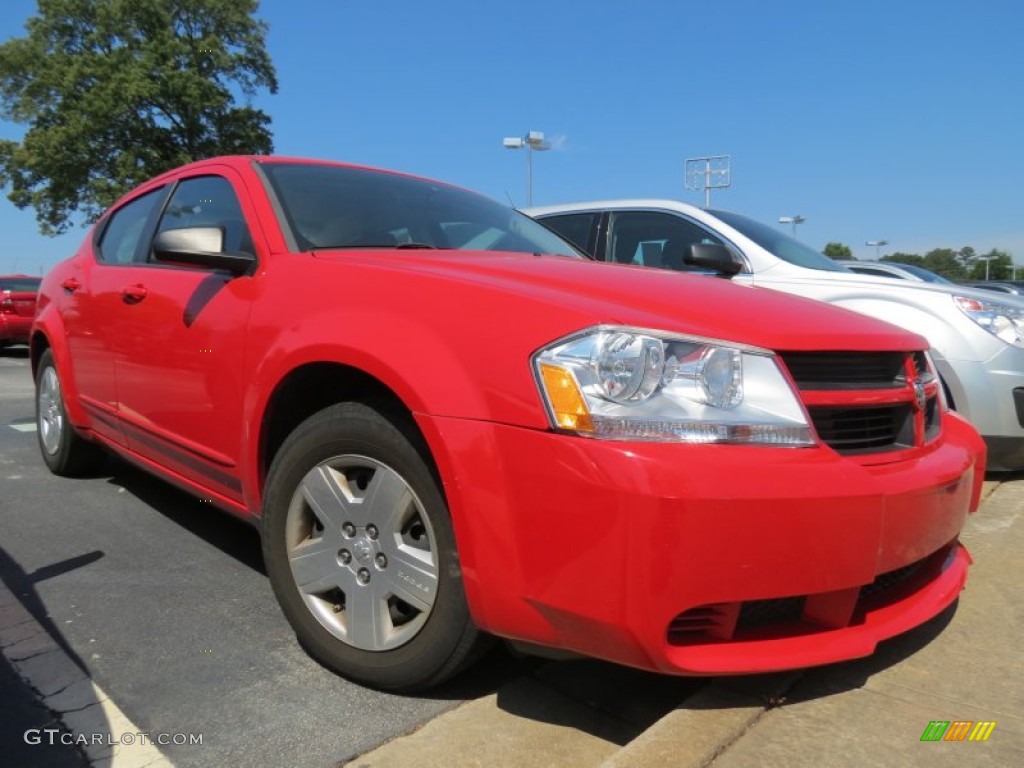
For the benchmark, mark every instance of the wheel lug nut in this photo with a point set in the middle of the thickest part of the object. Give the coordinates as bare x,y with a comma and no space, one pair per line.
382,561
345,557
363,576
348,529
371,531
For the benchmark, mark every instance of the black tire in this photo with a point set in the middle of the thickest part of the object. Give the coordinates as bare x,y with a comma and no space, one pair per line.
354,462
65,452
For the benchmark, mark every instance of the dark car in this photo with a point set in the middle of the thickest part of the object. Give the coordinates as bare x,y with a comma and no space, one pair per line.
17,307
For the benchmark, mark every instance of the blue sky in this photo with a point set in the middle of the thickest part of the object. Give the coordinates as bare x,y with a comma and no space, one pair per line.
895,120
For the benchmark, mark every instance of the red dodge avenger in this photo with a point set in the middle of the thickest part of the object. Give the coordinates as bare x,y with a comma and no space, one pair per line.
448,425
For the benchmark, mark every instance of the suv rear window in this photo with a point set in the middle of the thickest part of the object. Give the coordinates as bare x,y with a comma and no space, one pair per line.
20,284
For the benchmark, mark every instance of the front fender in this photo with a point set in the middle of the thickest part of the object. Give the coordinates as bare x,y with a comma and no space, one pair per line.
431,373
48,332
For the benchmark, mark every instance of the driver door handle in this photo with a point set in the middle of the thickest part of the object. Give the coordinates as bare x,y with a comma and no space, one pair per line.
70,285
133,294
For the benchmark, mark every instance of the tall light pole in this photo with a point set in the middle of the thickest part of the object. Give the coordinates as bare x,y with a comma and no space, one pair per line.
987,259
794,220
878,246
533,141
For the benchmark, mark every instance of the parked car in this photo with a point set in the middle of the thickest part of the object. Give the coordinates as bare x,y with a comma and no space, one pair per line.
896,269
1000,287
17,307
448,423
977,338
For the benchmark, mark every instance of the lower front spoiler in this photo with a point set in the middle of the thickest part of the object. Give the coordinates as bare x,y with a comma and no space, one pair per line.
826,628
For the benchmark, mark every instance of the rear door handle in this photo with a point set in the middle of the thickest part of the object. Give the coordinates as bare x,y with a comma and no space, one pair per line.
133,294
70,285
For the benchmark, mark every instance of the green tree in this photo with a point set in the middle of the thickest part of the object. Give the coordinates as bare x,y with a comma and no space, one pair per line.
117,91
967,256
904,258
944,261
838,251
1000,266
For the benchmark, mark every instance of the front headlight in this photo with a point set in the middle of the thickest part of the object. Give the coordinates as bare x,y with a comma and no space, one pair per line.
627,384
1002,320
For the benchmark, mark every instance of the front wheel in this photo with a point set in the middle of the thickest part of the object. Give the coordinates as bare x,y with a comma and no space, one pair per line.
361,554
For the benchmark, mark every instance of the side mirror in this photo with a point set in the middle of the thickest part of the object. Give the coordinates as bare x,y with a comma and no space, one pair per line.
200,246
714,257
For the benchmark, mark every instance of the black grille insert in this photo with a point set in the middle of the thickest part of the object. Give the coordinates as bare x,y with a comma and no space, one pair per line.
886,581
846,370
869,428
761,613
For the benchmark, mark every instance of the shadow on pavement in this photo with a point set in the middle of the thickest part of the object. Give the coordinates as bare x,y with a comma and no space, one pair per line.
17,353
216,527
620,703
24,718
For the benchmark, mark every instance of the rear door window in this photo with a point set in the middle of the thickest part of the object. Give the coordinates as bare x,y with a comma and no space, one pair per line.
577,228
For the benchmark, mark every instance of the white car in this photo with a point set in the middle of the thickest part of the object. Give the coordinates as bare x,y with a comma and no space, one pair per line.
977,337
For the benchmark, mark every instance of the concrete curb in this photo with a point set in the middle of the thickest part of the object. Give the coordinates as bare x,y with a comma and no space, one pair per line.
706,724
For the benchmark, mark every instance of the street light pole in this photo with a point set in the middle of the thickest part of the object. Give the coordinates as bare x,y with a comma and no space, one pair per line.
794,220
878,246
533,141
987,260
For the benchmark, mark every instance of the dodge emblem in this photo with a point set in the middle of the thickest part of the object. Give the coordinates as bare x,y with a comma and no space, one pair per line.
919,396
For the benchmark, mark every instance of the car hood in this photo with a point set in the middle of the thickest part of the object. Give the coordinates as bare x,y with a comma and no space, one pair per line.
867,283
595,292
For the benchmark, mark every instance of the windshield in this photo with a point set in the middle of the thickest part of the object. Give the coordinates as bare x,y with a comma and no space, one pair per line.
328,206
779,243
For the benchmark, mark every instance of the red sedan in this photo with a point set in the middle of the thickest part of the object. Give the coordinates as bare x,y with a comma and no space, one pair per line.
448,424
17,307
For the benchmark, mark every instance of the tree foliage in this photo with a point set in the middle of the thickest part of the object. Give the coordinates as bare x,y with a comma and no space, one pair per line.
962,265
905,258
1000,266
117,91
838,251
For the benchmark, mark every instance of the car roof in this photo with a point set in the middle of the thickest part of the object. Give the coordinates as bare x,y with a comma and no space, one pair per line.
621,203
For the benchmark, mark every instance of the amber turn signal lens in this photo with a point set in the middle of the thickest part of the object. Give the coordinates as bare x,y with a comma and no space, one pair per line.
566,400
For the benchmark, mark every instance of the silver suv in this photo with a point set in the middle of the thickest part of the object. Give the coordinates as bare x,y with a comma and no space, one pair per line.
977,336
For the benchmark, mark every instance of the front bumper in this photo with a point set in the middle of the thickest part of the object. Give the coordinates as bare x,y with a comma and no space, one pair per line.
608,548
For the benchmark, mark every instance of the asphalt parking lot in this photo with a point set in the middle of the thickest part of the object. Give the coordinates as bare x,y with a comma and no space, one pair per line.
165,605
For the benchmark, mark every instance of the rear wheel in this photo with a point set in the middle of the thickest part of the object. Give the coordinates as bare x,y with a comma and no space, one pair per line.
361,554
64,450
